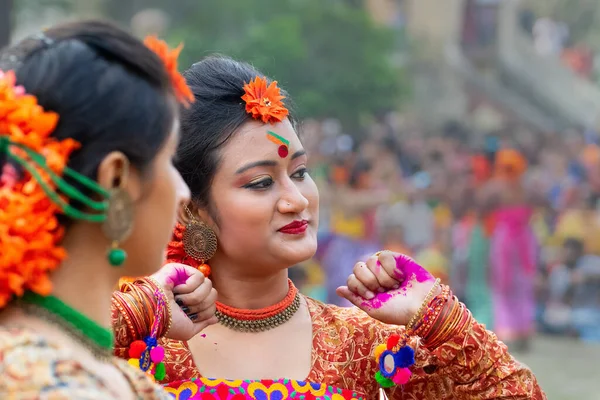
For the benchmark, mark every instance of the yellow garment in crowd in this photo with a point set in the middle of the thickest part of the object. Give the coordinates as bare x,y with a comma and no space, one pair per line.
580,225
434,261
353,227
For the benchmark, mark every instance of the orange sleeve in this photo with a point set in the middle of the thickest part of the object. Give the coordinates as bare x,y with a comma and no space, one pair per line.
478,366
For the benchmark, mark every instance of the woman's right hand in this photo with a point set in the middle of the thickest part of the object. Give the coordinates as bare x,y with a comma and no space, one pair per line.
191,299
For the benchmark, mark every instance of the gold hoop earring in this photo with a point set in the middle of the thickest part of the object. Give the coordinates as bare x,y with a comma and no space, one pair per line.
199,240
119,222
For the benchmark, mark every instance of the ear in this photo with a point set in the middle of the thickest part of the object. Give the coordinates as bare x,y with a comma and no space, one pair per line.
201,214
114,171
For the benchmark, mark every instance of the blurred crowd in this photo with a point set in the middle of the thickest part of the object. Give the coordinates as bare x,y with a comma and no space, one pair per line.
509,218
552,37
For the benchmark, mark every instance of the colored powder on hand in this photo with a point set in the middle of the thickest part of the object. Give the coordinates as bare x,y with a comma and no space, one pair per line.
178,277
411,270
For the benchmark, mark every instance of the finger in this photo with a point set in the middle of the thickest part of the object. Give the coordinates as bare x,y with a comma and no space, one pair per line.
195,298
200,326
384,280
366,277
387,263
346,293
208,302
203,315
358,288
193,279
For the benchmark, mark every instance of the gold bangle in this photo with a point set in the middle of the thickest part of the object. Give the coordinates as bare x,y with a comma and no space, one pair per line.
426,301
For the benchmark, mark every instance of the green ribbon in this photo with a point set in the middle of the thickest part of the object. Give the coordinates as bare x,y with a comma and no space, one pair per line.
35,159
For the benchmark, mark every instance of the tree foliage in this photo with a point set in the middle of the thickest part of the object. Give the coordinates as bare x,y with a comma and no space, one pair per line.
332,58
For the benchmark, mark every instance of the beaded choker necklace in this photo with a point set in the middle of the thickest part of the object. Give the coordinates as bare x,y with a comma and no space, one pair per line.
94,337
263,319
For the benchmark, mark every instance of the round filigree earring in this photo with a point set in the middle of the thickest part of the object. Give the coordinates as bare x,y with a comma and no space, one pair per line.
119,221
199,241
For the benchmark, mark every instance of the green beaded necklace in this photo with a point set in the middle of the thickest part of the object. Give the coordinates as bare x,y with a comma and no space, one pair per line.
97,339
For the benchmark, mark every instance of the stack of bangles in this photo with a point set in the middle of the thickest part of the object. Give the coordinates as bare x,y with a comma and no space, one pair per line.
145,308
137,303
438,319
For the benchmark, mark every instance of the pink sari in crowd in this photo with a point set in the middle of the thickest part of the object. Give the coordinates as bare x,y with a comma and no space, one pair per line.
513,258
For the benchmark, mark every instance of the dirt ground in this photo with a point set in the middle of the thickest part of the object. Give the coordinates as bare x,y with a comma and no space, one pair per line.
567,369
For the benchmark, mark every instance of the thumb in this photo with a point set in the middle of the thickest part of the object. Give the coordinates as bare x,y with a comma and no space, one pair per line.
345,293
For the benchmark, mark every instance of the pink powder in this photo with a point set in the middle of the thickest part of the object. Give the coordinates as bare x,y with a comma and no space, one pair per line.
411,270
178,277
405,267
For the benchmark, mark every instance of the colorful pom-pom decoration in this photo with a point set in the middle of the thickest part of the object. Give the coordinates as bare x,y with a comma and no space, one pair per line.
134,362
405,357
379,351
393,341
161,372
394,358
137,348
383,381
402,376
157,354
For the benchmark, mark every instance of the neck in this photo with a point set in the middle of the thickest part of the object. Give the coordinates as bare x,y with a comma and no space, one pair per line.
248,292
83,280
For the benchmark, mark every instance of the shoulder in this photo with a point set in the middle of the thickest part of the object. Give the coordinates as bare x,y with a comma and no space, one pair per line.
32,366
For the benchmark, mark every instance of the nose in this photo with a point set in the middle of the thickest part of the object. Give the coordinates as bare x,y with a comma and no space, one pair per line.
292,200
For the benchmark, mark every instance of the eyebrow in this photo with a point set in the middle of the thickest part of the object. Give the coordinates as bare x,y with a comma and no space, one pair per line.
267,163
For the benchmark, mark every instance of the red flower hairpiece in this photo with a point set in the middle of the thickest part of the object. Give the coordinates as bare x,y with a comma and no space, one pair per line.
264,102
169,57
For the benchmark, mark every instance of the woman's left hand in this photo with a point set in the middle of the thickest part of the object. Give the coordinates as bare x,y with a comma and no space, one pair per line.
390,287
191,299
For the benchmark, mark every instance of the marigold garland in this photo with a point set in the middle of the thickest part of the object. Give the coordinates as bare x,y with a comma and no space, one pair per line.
29,230
264,102
169,57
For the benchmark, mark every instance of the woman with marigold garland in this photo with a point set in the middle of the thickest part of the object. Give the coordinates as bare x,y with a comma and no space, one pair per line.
88,128
253,214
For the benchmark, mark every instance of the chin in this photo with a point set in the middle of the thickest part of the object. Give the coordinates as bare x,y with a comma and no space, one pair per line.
300,251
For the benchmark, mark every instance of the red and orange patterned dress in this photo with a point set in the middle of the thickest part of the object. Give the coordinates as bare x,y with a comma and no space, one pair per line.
472,365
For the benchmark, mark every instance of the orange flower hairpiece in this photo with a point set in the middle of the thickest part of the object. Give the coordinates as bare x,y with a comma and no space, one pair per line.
183,93
264,102
29,230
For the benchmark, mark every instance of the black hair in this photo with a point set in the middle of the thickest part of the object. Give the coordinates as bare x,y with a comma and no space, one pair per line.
110,91
218,112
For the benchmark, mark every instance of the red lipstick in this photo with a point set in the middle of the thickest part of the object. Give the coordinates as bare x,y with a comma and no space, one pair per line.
295,228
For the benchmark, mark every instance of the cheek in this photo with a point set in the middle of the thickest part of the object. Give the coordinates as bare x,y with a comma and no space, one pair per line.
242,212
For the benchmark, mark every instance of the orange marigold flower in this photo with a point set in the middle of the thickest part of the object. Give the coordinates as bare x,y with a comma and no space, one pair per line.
264,102
29,230
169,57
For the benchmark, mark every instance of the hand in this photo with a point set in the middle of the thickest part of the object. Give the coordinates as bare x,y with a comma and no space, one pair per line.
191,300
390,287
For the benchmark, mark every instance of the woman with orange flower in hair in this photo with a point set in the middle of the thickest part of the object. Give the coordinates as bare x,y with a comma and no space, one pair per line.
88,128
253,214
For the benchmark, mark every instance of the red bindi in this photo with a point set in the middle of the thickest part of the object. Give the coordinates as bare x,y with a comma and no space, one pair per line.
283,151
